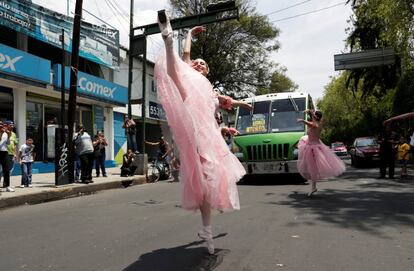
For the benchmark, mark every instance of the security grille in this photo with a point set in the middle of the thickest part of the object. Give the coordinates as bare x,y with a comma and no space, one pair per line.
268,151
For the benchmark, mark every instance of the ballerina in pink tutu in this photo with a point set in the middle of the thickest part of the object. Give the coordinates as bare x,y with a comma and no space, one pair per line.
208,171
316,160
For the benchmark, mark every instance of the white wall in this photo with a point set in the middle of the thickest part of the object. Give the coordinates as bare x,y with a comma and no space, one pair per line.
19,113
121,77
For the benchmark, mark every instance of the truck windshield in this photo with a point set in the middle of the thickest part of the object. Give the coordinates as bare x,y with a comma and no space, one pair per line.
284,115
255,122
272,116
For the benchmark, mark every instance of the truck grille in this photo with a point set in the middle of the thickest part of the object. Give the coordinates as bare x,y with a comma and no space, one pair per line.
267,151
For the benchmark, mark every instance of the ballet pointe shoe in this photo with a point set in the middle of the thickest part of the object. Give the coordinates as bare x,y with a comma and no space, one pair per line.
165,27
312,192
207,235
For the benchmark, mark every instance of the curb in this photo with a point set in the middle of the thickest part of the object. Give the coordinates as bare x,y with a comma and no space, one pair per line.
67,191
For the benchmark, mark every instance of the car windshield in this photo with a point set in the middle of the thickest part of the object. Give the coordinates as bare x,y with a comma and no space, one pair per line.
337,145
365,142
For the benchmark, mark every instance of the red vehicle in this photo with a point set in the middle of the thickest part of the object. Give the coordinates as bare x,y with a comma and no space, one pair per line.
364,150
339,149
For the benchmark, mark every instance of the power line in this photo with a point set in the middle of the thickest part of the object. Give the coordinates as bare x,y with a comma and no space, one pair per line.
117,18
306,13
114,10
280,10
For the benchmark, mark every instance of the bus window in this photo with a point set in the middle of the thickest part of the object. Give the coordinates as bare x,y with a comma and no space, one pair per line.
285,113
256,122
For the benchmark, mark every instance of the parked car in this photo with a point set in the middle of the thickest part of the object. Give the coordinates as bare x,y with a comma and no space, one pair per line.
339,149
364,150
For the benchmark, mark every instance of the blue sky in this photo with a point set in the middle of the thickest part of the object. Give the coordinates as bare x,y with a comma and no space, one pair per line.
308,42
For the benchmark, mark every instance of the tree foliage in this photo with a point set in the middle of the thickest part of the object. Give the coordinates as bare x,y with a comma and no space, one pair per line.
279,82
347,116
380,24
236,51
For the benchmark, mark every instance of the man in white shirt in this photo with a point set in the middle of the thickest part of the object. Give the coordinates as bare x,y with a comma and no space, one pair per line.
84,149
4,141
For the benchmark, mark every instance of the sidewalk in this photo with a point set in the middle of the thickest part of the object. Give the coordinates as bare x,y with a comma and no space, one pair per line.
44,188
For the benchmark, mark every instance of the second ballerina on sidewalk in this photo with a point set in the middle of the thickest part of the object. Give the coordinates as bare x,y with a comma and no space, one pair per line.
209,171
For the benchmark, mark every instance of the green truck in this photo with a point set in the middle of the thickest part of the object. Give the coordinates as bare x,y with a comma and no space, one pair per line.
269,134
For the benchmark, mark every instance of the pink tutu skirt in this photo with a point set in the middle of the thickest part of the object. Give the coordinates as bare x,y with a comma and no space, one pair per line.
209,171
318,161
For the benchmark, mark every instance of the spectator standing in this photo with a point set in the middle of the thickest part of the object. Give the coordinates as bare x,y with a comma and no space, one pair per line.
12,146
26,158
411,133
4,141
99,145
387,140
84,149
175,167
77,167
403,156
128,169
164,149
130,127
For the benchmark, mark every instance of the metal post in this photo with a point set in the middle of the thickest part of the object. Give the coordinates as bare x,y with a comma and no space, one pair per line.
62,99
73,84
143,105
130,57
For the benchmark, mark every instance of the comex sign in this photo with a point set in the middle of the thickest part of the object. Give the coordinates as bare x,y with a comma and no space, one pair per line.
22,64
93,86
7,62
96,88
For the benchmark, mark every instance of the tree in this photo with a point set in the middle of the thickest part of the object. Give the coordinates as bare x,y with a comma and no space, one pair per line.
379,24
236,51
347,116
279,82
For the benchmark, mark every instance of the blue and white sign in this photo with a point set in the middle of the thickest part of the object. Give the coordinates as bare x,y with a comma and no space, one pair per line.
97,43
22,64
93,86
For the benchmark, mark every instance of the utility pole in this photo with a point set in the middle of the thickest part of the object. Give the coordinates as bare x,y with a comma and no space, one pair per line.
130,57
62,97
144,93
73,84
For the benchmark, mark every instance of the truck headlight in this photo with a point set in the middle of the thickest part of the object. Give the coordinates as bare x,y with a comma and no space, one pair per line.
239,155
295,151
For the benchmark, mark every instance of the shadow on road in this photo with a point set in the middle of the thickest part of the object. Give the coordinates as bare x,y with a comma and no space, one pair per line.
272,179
370,210
183,258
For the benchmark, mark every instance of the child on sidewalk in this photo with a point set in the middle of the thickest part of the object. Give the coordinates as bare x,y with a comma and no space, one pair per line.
26,158
403,156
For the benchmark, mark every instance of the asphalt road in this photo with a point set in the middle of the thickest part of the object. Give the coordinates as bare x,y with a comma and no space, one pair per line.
355,222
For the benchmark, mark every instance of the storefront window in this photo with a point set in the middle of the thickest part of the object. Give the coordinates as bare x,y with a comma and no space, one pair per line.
34,127
6,105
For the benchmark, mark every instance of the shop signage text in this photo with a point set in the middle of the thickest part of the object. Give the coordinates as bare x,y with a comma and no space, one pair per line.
93,86
25,65
98,43
96,88
9,62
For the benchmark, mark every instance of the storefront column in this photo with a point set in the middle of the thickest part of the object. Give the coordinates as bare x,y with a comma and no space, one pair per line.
22,42
19,113
109,132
